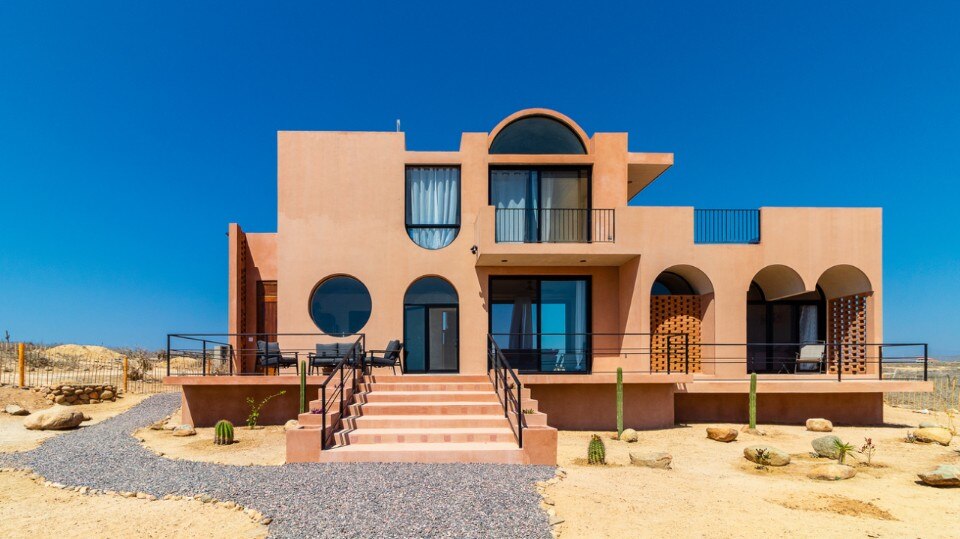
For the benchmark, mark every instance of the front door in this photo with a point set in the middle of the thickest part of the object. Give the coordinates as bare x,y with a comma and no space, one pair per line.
431,338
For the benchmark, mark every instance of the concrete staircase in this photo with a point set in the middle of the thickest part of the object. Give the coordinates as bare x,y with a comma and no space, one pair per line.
420,418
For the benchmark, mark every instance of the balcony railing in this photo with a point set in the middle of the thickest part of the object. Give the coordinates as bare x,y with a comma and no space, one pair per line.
555,225
726,226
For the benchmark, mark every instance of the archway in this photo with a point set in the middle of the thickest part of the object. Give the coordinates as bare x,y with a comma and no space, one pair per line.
681,319
431,326
848,296
782,316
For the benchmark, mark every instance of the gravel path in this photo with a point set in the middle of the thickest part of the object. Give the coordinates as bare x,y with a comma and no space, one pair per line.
304,500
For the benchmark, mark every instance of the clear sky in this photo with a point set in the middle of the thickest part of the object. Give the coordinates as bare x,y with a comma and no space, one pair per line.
131,133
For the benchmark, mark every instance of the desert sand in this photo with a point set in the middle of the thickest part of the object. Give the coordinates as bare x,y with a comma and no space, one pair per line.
260,446
712,491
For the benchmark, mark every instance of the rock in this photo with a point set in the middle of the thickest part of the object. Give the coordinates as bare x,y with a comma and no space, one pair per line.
106,395
818,424
15,409
548,500
931,435
158,425
825,446
721,434
629,436
755,432
944,476
59,399
94,395
659,460
555,520
184,430
832,472
71,399
774,456
86,417
266,521
56,418
293,424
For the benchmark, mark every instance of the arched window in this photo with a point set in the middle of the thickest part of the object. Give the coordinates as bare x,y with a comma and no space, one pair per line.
433,205
537,135
431,326
671,284
431,291
340,305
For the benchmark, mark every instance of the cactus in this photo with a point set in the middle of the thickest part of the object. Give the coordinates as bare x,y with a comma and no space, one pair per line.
753,400
224,432
303,387
596,452
619,402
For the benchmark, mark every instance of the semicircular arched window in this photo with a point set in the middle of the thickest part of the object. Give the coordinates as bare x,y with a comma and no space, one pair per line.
537,135
431,291
340,305
433,205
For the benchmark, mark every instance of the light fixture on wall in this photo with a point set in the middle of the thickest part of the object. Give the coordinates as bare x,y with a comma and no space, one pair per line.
473,250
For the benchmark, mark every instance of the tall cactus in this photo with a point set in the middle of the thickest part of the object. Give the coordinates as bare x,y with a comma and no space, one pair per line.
753,400
303,387
619,402
596,452
224,432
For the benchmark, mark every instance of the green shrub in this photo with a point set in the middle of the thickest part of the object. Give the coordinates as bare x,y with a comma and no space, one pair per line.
255,408
224,432
596,451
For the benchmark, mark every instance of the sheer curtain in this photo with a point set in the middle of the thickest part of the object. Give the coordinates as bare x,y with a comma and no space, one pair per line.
433,198
514,192
808,324
564,192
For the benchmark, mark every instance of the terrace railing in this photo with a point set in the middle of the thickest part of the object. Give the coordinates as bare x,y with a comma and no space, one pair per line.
555,225
726,226
349,370
508,388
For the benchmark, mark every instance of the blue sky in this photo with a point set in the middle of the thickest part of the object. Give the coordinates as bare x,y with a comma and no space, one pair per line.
131,133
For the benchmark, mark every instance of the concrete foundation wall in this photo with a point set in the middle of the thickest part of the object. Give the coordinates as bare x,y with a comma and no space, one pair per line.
594,406
779,408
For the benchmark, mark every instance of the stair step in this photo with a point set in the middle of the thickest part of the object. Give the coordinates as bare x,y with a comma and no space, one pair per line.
430,435
426,378
429,396
425,421
492,453
431,386
427,408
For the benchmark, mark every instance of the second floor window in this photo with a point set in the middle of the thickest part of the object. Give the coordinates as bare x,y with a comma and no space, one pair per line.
541,205
433,205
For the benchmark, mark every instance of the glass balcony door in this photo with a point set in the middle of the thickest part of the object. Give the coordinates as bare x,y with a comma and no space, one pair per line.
541,205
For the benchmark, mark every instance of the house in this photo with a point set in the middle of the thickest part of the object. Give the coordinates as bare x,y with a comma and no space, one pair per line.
520,251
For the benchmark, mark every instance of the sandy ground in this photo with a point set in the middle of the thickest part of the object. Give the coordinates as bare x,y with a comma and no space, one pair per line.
14,437
28,509
261,446
712,491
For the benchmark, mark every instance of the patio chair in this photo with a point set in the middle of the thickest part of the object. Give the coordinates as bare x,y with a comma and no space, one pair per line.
269,355
810,354
390,357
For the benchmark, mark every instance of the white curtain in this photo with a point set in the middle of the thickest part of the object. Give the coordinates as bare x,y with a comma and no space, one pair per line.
808,324
579,325
564,192
515,192
434,199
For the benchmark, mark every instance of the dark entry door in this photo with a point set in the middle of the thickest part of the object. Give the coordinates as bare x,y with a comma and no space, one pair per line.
431,338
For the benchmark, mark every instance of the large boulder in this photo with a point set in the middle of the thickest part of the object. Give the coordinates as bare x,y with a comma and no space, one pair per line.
819,424
772,455
629,436
832,472
932,435
826,446
944,476
651,460
15,409
721,434
56,418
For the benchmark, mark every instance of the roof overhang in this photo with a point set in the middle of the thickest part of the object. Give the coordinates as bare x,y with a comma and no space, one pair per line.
643,168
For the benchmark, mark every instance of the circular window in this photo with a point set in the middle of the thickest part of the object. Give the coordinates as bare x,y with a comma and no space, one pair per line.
340,305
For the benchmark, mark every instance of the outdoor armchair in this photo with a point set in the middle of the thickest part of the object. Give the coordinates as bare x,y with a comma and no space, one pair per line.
810,354
270,355
389,357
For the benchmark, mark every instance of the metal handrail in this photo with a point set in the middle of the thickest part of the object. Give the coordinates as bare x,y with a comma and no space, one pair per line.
726,226
555,225
355,361
511,402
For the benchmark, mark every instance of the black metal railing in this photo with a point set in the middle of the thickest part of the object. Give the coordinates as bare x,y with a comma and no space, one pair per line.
352,360
573,353
555,225
726,226
219,354
505,381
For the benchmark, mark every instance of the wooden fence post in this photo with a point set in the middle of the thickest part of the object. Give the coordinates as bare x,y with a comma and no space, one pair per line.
21,366
125,374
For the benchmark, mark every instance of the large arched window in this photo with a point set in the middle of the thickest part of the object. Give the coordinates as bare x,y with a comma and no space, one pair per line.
433,205
431,326
537,135
340,305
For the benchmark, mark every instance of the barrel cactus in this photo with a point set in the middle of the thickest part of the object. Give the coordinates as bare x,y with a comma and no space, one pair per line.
596,452
224,432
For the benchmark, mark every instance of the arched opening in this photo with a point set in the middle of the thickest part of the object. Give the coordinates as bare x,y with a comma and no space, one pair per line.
781,318
537,134
681,317
848,295
431,326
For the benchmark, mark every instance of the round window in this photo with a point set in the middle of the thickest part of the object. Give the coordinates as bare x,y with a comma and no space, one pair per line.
340,306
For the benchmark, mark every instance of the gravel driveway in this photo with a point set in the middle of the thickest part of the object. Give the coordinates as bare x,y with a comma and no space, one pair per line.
305,500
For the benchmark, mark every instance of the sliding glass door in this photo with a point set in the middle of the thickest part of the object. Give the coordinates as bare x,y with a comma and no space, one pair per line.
541,205
542,324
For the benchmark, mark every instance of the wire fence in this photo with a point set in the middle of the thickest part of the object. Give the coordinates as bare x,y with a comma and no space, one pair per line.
56,365
946,388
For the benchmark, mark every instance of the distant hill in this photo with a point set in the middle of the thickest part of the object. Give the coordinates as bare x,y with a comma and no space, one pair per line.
946,358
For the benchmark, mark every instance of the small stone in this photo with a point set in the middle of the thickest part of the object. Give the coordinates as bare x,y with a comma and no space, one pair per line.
205,498
59,399
228,505
944,476
832,472
184,430
158,425
86,417
826,446
933,435
15,409
722,434
556,520
819,424
293,424
629,436
106,395
658,460
265,521
548,500
83,490
151,498
141,495
930,425
773,456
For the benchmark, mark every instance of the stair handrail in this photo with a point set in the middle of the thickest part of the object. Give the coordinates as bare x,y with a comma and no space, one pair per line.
499,372
354,360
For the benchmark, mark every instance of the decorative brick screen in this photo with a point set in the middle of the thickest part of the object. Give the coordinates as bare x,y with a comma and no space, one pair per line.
847,327
674,314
